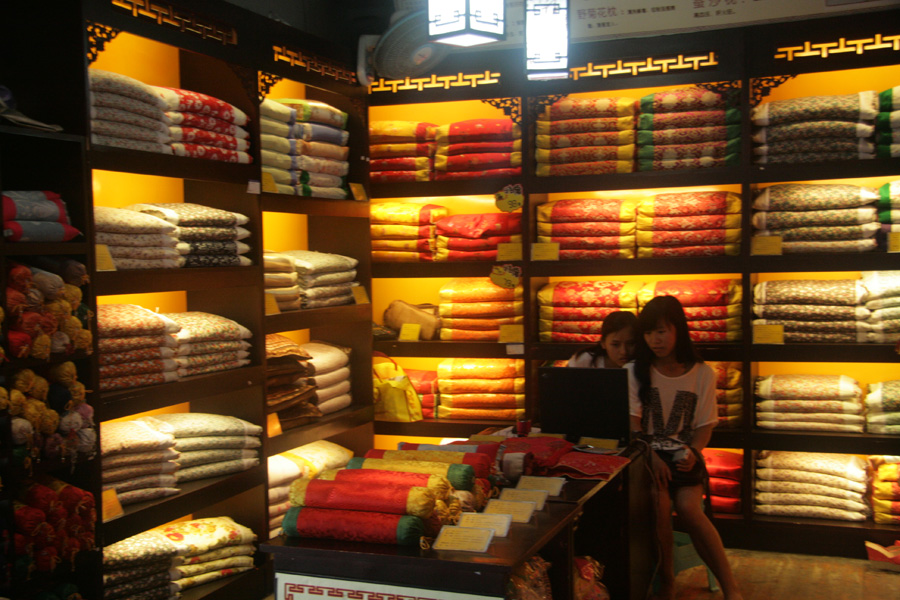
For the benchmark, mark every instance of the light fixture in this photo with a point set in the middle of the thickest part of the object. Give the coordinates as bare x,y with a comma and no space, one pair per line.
547,39
465,22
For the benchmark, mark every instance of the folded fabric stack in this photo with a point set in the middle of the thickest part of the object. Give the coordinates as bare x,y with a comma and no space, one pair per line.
127,113
887,124
208,343
883,407
813,310
725,469
289,391
404,150
883,300
36,216
475,237
201,126
586,136
305,461
331,375
137,461
687,128
324,279
588,228
207,237
425,384
689,224
809,402
136,240
166,560
404,231
136,347
811,484
474,308
729,392
889,207
815,128
280,279
818,217
304,147
573,311
459,158
712,306
886,489
481,388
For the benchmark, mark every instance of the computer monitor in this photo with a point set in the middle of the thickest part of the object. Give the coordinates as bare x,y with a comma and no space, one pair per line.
584,402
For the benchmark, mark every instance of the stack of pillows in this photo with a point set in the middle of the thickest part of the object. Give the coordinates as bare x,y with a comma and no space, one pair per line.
403,231
324,279
729,393
425,384
208,343
289,393
889,207
883,407
36,216
127,113
809,403
886,489
818,217
687,128
887,122
304,147
330,375
401,151
712,306
883,300
588,228
586,136
136,240
487,388
725,470
474,308
815,128
689,224
477,148
138,461
475,237
280,280
573,311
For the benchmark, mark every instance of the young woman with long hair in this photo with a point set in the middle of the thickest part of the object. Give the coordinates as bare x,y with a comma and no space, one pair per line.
616,345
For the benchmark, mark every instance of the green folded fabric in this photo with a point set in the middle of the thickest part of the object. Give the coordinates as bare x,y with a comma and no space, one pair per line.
889,99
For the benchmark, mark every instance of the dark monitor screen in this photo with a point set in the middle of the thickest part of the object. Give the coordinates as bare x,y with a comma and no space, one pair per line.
583,402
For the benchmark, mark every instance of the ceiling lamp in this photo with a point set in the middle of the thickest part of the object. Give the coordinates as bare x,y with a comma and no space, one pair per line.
465,22
547,39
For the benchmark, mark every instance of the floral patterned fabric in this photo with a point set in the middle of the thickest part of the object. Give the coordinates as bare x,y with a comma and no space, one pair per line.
584,168
619,294
584,154
487,414
605,139
849,107
118,437
192,150
580,108
207,138
582,254
118,220
688,119
569,243
706,292
691,204
813,512
813,129
103,100
469,335
585,210
585,228
824,232
813,387
116,345
688,135
464,244
698,237
315,112
712,149
119,320
131,144
806,477
480,225
207,234
465,175
478,130
205,122
802,247
138,367
810,312
307,262
545,127
381,132
681,100
195,102
136,458
674,251
199,326
477,162
837,292
114,83
215,469
813,146
688,223
411,163
796,487
706,162
477,289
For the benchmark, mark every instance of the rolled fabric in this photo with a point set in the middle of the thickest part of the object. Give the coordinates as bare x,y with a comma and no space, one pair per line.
437,483
480,368
461,477
480,463
861,106
703,292
514,385
685,204
545,126
483,400
345,495
813,387
592,139
619,294
353,525
481,309
686,223
579,108
477,289
406,213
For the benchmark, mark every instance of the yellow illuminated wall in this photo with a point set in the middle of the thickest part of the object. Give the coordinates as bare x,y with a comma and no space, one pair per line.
837,82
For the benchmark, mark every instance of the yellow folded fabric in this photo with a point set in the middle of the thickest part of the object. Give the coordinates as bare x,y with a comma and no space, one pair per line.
547,229
483,400
481,309
400,256
423,245
487,414
648,223
444,147
700,292
622,294
693,203
576,108
728,373
381,132
444,242
477,289
584,168
454,323
383,231
570,326
658,251
480,368
654,238
545,126
510,385
469,335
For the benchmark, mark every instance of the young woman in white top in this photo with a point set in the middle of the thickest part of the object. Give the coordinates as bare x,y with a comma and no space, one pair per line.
672,397
616,345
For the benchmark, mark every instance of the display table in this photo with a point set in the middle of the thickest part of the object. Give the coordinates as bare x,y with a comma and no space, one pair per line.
309,567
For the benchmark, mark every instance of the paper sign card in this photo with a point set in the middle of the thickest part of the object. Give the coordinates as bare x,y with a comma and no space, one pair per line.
409,332
272,305
111,506
268,183
553,485
359,294
765,245
510,198
521,512
467,539
499,523
539,497
506,276
515,349
512,334
104,258
273,425
893,241
561,436
509,251
768,334
359,192
545,251
253,187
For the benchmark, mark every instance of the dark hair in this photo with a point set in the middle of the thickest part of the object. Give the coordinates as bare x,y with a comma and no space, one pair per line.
614,321
662,309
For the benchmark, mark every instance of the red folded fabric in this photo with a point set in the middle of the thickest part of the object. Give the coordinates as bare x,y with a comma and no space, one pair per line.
721,463
399,176
479,147
480,225
481,130
721,504
547,451
586,465
401,163
454,175
401,149
720,486
470,245
424,382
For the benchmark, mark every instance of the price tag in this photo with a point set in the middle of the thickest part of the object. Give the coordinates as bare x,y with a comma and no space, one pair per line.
111,506
765,245
253,187
409,332
768,334
553,485
359,192
893,241
499,523
272,305
545,251
104,258
273,425
506,276
521,512
599,443
509,251
512,334
515,349
482,437
466,539
510,198
517,494
359,294
268,183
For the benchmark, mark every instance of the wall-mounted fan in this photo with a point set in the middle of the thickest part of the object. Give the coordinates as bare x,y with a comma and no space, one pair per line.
404,50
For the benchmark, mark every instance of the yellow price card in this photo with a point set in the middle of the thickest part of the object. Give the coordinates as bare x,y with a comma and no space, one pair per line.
768,334
545,251
104,258
894,241
521,512
499,523
512,334
272,305
509,251
111,506
268,183
506,276
517,494
409,332
273,425
465,539
359,192
510,198
553,485
360,295
765,245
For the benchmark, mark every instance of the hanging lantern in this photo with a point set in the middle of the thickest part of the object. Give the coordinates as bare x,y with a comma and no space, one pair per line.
547,39
465,22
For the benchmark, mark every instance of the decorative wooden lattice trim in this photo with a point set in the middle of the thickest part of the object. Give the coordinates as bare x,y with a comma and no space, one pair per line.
536,104
731,90
98,35
185,21
264,83
313,64
511,107
646,66
825,49
445,82
761,87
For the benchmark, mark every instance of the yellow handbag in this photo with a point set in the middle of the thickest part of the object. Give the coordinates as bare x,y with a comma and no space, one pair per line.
395,398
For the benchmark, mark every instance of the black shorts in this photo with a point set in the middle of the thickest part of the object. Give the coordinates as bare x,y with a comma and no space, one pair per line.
696,476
